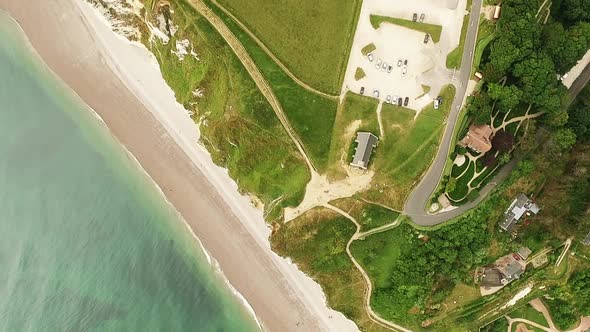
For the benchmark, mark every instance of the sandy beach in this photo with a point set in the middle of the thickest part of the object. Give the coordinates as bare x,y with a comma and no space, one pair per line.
121,82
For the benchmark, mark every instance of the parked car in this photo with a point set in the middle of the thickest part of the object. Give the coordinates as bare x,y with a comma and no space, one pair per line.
362,90
415,17
437,102
422,17
405,63
370,56
399,62
399,101
404,71
378,64
389,68
388,99
394,100
406,101
376,93
384,66
426,38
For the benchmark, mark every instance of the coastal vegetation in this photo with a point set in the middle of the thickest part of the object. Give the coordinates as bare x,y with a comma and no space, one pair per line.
231,111
312,39
432,29
316,242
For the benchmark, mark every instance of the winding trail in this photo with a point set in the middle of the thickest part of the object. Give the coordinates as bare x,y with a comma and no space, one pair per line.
255,73
271,54
368,285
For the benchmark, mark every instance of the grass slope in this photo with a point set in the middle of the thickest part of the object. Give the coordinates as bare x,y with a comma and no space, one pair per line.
311,115
316,241
312,38
238,126
432,29
455,56
407,149
368,215
357,113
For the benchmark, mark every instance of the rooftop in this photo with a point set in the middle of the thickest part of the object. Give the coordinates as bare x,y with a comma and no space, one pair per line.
519,206
365,144
478,138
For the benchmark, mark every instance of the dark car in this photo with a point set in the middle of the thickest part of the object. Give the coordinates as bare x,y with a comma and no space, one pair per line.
406,101
400,101
415,17
426,38
362,90
405,62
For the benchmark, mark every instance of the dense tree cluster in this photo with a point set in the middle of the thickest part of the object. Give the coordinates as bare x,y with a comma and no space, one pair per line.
441,258
579,116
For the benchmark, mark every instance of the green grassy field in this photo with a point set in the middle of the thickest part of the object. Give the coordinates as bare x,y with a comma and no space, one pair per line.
368,215
462,188
432,29
311,115
407,150
529,313
316,241
238,126
357,113
312,38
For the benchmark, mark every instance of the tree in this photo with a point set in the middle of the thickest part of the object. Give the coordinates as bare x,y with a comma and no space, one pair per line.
564,139
538,82
481,109
503,158
558,119
503,141
451,184
489,159
507,96
575,10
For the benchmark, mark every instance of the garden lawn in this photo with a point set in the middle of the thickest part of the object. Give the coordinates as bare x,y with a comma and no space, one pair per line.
316,242
242,133
432,29
455,57
462,187
485,35
311,38
406,151
311,115
356,113
368,215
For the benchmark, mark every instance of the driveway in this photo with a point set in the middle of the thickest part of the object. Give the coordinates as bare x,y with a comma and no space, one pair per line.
415,206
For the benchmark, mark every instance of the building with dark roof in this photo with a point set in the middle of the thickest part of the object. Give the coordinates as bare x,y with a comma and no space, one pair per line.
491,277
511,267
366,142
520,206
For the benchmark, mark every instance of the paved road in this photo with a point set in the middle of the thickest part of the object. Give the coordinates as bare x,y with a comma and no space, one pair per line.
579,83
416,202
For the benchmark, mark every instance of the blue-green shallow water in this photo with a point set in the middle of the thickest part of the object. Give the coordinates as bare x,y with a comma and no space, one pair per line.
86,241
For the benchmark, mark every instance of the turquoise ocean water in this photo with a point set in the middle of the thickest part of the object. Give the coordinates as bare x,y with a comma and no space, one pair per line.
86,241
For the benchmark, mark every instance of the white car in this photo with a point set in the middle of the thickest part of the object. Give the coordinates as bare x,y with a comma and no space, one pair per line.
394,100
384,66
376,93
388,99
370,56
399,62
378,65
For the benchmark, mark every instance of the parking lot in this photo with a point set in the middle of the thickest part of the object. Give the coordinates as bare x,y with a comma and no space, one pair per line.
426,62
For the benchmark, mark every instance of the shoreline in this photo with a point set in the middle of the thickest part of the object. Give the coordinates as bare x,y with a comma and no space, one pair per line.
282,296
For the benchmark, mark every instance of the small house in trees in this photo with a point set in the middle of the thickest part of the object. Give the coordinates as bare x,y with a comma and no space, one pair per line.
520,206
478,138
